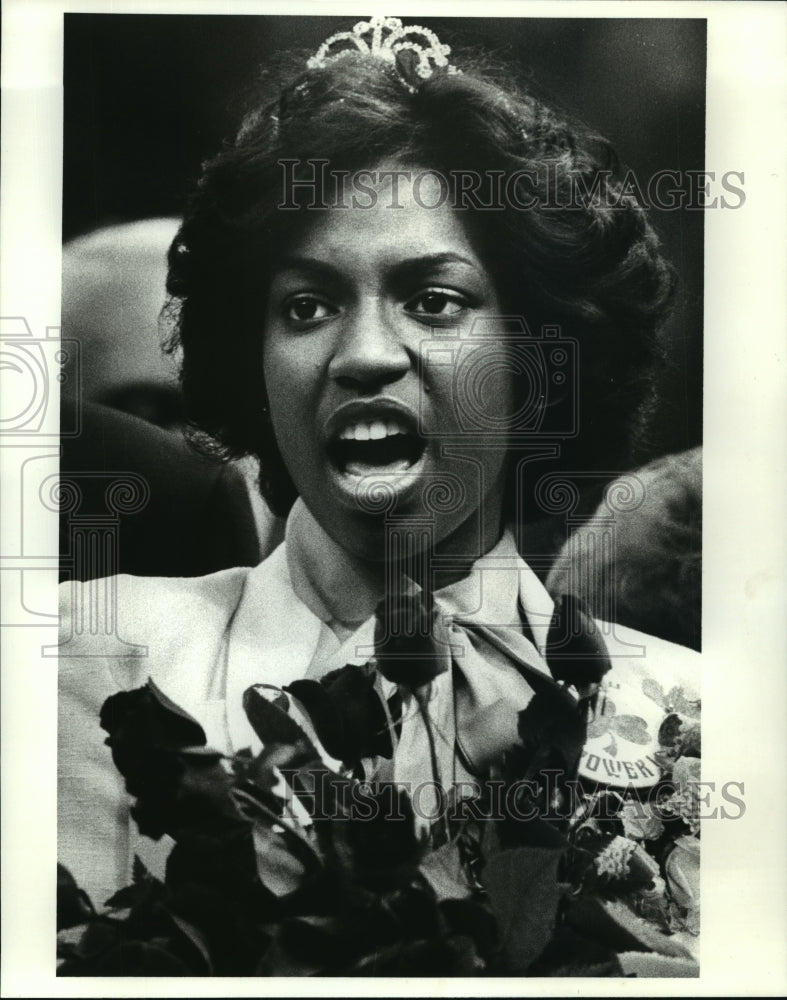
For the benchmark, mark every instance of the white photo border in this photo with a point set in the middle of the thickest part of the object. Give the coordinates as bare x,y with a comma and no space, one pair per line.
745,481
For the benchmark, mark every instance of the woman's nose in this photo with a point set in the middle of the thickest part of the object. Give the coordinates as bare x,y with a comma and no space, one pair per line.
369,351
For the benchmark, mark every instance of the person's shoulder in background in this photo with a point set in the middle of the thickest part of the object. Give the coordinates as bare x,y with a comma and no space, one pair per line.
638,560
185,515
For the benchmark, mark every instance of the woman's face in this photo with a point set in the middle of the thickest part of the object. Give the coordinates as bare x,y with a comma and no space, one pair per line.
376,376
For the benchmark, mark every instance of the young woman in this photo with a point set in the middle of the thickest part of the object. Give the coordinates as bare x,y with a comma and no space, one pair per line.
400,284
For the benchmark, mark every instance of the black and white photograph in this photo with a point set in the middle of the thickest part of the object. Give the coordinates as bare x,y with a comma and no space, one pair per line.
385,499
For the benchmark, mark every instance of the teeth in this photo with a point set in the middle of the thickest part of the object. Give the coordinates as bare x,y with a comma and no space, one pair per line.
359,469
376,430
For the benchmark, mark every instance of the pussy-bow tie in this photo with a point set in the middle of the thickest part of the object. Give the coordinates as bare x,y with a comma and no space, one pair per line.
465,680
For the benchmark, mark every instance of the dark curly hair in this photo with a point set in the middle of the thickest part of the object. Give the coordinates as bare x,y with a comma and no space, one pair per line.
590,265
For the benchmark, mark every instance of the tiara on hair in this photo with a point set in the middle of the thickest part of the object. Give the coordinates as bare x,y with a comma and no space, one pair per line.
385,38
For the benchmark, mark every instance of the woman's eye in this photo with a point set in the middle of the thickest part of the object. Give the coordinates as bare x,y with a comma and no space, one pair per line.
307,308
437,303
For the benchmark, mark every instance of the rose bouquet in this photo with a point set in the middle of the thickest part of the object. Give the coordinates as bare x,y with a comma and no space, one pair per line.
282,865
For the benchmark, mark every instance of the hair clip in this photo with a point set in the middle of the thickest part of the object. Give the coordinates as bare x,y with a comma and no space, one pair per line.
384,38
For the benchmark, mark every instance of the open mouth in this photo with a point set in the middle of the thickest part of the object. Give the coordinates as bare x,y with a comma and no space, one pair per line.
375,446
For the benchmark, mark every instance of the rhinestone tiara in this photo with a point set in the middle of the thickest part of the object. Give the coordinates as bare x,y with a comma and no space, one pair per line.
384,38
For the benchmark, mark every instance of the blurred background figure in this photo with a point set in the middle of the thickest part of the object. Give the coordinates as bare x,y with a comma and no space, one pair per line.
113,292
201,515
651,577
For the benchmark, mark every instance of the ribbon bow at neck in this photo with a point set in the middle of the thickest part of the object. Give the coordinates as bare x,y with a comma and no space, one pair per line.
447,698
491,644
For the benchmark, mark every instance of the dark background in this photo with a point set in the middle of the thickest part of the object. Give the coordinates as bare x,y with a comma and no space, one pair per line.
148,97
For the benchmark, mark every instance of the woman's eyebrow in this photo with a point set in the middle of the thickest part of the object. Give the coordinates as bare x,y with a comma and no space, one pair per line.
414,267
317,269
411,267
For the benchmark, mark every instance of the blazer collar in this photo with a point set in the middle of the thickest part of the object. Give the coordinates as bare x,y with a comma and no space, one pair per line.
283,609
